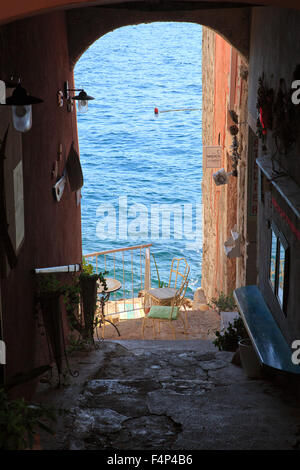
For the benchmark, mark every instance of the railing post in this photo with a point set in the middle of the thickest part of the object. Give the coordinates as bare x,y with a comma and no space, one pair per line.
147,282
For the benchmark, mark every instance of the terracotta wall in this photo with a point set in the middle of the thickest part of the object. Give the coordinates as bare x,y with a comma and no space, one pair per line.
36,49
223,89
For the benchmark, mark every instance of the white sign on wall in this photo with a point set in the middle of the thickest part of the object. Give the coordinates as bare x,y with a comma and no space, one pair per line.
212,156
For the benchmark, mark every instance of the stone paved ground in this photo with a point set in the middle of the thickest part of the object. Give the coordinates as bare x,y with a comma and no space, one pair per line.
201,325
171,395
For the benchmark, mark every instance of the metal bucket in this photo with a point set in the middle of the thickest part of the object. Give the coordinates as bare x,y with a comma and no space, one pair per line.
249,359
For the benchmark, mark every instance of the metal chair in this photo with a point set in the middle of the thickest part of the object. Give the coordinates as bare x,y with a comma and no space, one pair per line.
164,295
169,313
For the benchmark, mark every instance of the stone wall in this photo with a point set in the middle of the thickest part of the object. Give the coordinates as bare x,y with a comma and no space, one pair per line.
86,25
208,87
224,87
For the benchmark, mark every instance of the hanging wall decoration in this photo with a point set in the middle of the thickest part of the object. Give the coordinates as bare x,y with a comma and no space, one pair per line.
284,118
264,105
277,112
74,170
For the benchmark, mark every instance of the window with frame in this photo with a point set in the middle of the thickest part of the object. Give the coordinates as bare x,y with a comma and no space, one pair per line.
279,266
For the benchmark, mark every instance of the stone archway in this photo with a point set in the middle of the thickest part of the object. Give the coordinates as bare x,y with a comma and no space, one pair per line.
86,25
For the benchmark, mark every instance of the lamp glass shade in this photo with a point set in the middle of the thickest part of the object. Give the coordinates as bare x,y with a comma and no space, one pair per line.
83,98
22,117
83,106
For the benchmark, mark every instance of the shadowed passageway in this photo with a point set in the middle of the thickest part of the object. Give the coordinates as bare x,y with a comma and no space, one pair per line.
171,395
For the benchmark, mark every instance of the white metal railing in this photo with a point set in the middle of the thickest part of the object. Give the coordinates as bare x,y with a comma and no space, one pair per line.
130,266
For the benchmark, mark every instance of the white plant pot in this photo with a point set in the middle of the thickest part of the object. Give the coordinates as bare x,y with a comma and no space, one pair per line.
249,359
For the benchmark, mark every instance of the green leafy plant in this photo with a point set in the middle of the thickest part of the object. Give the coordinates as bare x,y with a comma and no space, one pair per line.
84,290
228,339
87,268
72,300
223,303
20,422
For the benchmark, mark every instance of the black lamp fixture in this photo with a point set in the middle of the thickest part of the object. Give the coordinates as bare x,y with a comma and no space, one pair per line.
21,103
83,98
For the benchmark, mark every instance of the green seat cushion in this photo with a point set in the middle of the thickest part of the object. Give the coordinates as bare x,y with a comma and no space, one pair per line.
163,312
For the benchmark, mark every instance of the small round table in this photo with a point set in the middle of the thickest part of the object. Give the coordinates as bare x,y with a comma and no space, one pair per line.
112,286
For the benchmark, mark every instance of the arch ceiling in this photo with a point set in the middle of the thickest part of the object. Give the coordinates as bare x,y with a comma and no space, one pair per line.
86,25
16,9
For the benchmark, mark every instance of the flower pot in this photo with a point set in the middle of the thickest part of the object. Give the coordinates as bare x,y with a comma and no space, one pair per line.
249,359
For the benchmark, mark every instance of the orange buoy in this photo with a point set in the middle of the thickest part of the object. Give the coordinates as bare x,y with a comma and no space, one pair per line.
155,110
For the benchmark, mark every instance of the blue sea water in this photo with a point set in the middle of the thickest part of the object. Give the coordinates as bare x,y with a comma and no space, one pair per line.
127,151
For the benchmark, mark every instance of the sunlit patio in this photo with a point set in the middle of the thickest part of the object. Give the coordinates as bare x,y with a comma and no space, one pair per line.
134,287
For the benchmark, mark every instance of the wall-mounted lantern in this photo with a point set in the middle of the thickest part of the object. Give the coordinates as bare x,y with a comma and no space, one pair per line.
21,103
83,98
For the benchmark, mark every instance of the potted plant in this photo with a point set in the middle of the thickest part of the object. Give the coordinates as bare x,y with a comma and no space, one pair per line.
228,339
223,303
84,291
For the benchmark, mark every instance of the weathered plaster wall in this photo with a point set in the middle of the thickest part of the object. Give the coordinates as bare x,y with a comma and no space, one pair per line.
223,89
246,263
277,38
86,25
36,49
208,88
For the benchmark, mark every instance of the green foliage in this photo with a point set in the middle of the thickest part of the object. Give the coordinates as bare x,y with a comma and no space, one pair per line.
72,300
87,268
228,339
223,303
20,421
87,271
47,284
83,290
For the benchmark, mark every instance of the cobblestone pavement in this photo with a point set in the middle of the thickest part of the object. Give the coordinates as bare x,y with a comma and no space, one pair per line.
172,395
